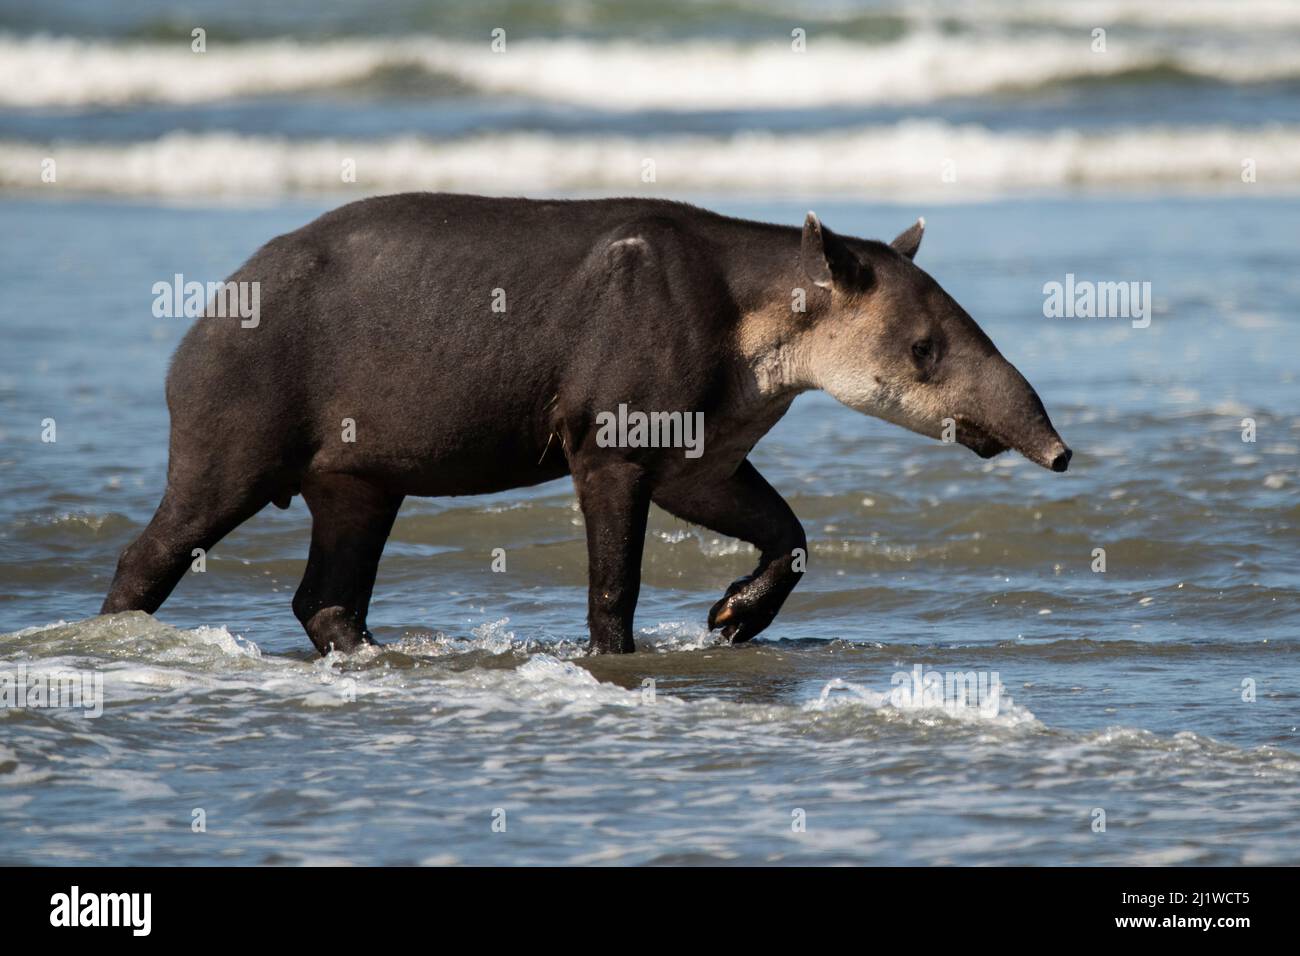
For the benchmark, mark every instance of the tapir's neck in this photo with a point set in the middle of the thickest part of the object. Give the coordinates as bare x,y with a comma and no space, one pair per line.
770,354
769,288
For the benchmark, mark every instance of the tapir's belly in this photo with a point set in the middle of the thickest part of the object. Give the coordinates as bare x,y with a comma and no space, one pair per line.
426,429
445,461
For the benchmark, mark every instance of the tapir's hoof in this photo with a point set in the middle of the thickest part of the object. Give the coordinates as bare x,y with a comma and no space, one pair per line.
334,629
624,645
741,613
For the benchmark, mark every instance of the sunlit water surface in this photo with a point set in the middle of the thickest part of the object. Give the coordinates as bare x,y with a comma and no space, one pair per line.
1162,692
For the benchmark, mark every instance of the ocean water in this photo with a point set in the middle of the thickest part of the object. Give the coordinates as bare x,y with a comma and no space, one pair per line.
1161,695
948,100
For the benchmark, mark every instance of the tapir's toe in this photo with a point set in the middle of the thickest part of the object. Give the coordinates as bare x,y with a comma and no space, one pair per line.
337,629
742,612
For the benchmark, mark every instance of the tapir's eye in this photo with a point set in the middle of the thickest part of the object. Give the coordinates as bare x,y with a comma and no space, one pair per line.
922,350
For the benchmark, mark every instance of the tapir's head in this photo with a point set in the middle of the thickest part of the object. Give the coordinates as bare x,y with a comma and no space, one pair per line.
888,341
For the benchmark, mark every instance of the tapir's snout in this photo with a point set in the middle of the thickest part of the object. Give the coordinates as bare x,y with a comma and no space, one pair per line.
1055,457
1007,413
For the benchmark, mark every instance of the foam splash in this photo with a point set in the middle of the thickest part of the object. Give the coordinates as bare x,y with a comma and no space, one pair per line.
141,658
490,638
841,695
672,636
553,681
132,634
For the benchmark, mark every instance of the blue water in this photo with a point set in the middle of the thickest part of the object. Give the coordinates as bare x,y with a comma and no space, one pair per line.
1162,692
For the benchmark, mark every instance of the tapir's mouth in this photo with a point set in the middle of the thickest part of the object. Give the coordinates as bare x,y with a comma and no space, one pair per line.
1051,454
979,439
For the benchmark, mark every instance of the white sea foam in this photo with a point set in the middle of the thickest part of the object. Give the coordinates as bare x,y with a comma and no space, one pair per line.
45,71
910,157
1220,14
838,694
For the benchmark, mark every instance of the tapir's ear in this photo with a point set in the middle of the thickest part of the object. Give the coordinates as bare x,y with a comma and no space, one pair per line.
909,240
824,258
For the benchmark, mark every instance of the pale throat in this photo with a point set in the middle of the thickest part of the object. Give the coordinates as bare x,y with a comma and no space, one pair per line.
772,353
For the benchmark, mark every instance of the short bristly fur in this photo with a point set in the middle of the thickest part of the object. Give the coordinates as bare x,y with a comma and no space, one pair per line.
381,313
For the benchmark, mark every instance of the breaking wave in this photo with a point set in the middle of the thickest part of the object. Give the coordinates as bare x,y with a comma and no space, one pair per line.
912,156
695,74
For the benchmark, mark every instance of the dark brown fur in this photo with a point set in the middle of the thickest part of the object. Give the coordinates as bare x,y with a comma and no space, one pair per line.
381,312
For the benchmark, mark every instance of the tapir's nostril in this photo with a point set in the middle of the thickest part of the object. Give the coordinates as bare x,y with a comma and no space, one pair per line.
1062,461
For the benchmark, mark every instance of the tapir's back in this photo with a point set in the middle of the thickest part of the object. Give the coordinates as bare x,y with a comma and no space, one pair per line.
441,324
432,265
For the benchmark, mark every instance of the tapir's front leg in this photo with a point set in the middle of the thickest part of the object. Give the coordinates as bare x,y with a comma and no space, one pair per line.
615,500
745,506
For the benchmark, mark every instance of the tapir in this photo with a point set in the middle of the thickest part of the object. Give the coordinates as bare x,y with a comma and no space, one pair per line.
437,344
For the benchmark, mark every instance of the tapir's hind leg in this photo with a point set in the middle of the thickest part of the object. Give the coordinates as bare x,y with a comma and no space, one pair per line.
350,521
615,500
194,513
